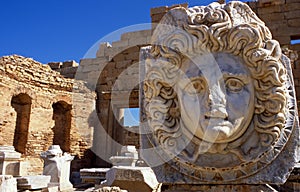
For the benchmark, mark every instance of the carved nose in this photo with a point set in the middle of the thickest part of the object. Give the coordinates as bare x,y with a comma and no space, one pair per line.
216,104
217,111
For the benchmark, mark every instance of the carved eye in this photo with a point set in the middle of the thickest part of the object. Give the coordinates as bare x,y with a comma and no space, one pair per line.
234,85
195,86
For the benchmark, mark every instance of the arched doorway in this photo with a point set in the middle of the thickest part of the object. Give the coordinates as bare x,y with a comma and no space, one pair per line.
22,105
62,118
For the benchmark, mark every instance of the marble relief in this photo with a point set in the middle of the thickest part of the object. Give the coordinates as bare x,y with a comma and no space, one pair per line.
219,99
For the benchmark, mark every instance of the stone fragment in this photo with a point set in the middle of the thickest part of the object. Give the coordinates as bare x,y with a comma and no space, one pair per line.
10,161
8,183
110,189
57,165
33,182
69,64
133,179
128,157
93,175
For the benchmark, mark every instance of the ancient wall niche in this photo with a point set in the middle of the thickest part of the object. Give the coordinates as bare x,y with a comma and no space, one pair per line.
62,118
22,105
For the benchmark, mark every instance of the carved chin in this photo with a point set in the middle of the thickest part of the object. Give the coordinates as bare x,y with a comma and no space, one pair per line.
217,131
218,134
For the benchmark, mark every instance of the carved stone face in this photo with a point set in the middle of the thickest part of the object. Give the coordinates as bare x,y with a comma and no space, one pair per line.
216,97
220,118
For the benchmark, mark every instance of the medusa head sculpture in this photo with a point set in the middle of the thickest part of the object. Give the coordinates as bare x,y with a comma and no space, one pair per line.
219,99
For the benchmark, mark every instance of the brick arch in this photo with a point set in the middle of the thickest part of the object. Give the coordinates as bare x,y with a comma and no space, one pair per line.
62,125
22,105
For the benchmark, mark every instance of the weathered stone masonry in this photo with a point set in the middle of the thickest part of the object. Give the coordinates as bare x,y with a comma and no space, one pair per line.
112,60
37,111
41,98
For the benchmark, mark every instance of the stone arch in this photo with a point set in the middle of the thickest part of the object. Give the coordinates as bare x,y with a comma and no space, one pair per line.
22,105
62,128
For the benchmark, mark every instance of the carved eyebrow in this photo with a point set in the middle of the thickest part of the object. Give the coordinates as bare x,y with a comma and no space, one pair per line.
197,78
243,77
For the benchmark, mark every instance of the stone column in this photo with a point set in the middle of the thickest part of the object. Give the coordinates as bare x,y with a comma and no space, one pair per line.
57,165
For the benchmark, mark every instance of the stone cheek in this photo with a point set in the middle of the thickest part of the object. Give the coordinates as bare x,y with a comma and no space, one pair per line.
239,136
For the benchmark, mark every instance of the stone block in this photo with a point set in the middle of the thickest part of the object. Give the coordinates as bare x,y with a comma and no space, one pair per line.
81,76
55,65
291,1
8,183
122,43
10,161
110,189
93,76
51,189
57,165
119,57
102,61
157,10
69,64
292,14
215,188
132,56
128,157
33,182
286,31
86,61
135,34
102,49
271,9
91,68
123,64
133,179
157,17
93,175
272,17
291,6
113,51
138,41
267,3
294,22
132,49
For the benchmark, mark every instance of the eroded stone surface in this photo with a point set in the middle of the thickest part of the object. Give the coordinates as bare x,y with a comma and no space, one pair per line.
133,179
10,161
8,183
93,175
128,157
219,99
57,165
39,107
33,182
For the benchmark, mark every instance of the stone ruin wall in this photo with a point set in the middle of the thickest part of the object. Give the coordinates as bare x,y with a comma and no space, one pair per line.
102,73
37,111
114,74
281,16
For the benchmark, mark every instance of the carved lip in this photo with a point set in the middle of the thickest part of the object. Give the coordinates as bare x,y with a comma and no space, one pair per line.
213,122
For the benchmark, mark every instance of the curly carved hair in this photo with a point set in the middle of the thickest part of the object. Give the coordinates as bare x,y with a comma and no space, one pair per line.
232,28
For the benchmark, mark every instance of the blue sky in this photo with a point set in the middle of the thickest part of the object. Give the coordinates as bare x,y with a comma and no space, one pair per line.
59,30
